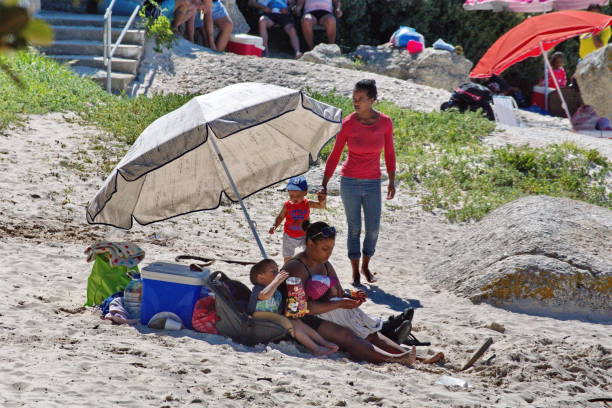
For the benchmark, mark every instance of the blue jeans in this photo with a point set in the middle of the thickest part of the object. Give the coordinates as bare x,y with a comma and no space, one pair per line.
357,194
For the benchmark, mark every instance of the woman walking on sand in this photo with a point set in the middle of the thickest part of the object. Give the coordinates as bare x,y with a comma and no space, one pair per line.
366,132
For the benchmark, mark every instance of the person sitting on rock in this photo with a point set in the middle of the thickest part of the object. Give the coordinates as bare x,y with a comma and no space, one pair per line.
323,12
276,12
181,12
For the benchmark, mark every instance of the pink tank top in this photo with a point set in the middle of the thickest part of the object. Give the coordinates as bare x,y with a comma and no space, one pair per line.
312,5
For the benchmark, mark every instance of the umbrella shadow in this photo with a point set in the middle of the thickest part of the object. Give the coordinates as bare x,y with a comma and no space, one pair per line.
398,304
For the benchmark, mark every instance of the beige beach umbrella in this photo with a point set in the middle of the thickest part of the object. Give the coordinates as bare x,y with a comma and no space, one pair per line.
234,141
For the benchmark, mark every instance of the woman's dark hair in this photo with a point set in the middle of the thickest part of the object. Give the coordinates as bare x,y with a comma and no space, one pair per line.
318,230
368,85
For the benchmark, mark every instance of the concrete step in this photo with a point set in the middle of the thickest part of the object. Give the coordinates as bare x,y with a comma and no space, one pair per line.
91,20
78,47
119,81
125,65
62,32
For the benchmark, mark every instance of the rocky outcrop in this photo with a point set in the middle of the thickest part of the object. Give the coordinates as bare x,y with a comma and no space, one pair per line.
240,24
435,68
327,54
594,75
539,255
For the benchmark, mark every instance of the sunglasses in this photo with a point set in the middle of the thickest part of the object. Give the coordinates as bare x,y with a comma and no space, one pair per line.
327,232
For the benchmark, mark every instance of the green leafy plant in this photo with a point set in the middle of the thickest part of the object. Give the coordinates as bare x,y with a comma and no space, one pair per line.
157,28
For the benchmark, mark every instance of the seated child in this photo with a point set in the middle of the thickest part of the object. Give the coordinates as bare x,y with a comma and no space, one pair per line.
295,211
266,303
556,61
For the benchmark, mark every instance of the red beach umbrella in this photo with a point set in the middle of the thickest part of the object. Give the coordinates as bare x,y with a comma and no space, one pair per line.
534,36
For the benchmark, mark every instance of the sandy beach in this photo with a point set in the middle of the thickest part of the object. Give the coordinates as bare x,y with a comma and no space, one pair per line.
56,353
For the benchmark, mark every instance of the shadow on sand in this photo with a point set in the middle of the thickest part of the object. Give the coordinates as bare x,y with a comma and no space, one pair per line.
379,296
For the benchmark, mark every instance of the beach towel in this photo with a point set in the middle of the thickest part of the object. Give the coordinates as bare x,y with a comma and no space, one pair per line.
355,319
118,253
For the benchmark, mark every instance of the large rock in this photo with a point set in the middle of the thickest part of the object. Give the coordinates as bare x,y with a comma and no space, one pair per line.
240,24
539,255
435,68
327,54
594,75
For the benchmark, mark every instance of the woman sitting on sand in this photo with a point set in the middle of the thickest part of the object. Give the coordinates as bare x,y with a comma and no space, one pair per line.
371,346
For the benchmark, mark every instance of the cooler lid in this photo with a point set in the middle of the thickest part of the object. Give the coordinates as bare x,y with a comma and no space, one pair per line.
175,273
247,39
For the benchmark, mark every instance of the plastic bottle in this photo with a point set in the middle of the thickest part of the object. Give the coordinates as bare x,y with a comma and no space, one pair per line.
132,298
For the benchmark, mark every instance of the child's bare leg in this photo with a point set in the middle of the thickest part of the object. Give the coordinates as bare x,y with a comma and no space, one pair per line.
302,336
316,337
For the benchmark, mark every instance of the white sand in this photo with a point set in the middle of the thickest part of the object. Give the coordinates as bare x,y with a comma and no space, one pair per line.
55,353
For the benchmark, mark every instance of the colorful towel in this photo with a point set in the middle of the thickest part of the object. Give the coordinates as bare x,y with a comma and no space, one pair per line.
118,253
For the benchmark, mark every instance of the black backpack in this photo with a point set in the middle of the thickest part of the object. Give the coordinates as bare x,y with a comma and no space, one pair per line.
471,96
231,302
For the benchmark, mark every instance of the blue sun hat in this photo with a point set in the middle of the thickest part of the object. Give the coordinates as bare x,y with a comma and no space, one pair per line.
297,183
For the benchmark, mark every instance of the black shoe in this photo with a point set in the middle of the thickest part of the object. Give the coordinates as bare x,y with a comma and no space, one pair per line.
393,322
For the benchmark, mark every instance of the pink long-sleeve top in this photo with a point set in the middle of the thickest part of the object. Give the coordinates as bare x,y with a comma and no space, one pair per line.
365,143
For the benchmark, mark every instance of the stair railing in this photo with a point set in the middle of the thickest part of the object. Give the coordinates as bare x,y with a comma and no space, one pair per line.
109,47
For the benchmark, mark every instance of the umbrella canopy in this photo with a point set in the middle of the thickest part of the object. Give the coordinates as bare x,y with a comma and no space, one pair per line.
531,6
534,35
250,135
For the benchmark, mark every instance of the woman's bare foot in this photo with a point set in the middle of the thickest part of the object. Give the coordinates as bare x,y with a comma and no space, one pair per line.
368,275
407,359
431,360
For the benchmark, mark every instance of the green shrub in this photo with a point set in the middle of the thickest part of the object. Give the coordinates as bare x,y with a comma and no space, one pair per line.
441,158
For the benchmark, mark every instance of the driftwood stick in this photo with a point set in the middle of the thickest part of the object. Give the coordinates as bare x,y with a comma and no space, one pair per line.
478,354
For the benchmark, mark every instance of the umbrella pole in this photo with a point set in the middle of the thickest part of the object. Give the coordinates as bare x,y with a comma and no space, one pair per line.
246,213
550,70
545,57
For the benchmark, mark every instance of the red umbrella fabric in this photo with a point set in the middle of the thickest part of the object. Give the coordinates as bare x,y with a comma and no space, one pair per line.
524,40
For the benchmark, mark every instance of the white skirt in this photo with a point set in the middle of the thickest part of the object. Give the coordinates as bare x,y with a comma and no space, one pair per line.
355,319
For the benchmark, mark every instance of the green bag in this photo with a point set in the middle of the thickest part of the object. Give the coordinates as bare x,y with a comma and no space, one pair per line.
106,280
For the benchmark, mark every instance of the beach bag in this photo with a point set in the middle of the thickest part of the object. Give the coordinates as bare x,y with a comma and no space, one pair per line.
414,47
231,303
106,280
204,316
402,35
471,97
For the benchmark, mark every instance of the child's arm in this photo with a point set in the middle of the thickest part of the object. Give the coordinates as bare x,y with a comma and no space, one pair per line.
322,203
278,220
269,290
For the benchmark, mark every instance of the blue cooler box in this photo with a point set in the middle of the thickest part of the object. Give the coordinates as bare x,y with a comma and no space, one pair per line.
168,287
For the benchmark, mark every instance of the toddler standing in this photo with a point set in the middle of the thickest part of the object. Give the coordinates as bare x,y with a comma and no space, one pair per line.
295,211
